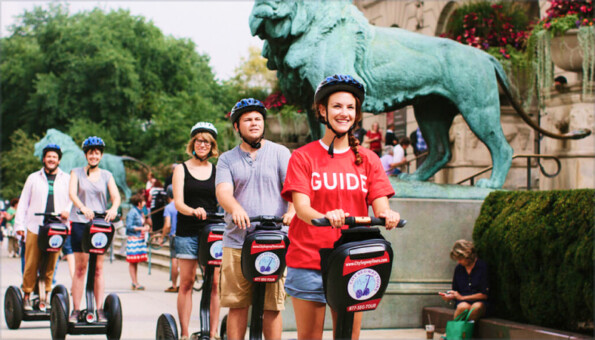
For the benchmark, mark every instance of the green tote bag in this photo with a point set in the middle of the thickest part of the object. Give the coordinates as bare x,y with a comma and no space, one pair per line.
460,328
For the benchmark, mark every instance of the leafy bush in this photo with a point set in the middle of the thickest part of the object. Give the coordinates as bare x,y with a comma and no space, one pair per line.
539,246
17,163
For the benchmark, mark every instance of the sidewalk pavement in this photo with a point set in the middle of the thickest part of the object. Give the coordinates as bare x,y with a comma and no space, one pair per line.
140,308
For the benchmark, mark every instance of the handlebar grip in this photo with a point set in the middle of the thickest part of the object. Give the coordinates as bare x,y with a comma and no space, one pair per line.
100,214
321,222
266,218
353,221
47,214
215,215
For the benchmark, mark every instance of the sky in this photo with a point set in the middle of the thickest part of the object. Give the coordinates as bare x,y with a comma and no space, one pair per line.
219,28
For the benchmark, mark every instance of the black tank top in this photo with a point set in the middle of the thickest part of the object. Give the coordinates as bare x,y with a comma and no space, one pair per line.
197,193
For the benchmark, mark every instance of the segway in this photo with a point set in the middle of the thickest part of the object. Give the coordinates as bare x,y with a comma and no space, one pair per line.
97,237
50,239
356,271
210,252
263,261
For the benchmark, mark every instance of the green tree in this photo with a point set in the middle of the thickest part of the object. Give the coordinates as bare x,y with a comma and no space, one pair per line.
252,78
17,163
108,74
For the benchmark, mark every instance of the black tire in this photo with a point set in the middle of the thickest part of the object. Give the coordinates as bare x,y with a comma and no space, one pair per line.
13,307
61,290
113,311
58,317
223,329
166,328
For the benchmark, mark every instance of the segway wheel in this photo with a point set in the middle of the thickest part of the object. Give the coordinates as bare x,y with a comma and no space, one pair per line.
13,307
113,311
61,290
58,318
223,329
166,328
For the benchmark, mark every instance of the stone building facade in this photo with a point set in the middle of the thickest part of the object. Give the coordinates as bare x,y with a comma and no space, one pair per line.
567,108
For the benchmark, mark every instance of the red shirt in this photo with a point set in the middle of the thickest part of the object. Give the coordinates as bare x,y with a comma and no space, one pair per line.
377,144
331,183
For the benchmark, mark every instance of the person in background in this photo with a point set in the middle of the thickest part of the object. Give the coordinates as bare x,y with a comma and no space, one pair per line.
44,191
136,247
470,283
13,240
399,153
359,133
387,159
150,180
374,139
158,202
419,146
390,138
170,222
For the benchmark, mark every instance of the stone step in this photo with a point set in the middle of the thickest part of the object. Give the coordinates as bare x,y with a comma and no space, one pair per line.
492,328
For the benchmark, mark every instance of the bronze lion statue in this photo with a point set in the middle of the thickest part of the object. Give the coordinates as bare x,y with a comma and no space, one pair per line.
305,41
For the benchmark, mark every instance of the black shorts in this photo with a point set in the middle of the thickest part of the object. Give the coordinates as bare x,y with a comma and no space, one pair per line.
76,236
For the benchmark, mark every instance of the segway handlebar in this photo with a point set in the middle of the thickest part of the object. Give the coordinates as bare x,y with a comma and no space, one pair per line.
355,221
213,217
266,218
53,217
100,214
52,214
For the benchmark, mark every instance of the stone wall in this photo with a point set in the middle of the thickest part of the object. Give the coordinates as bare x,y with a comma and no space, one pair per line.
570,111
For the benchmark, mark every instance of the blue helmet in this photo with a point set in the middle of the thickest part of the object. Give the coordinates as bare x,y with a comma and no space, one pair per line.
52,147
93,142
247,105
339,82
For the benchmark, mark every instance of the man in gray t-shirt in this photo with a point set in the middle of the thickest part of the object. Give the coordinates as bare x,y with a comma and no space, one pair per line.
249,181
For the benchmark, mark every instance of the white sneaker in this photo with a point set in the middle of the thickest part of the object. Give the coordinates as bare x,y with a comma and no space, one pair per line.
27,304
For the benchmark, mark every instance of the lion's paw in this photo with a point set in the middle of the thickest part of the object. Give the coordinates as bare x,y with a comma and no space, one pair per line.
488,184
408,177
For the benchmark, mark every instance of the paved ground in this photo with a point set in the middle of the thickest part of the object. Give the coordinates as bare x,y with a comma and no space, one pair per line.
140,308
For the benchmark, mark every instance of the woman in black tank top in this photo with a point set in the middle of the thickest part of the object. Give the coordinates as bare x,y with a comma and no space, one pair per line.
194,196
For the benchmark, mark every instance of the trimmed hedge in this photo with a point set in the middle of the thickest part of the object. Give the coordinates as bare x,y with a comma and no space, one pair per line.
539,247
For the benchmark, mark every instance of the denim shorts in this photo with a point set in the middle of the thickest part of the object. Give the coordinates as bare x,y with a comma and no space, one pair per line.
67,247
305,284
76,236
186,247
172,246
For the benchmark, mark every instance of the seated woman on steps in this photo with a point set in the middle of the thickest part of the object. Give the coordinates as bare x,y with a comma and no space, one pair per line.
470,284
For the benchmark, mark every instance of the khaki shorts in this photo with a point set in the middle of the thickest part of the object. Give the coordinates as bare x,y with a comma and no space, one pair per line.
236,292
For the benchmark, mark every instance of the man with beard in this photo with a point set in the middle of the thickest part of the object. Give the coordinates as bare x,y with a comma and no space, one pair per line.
46,191
249,182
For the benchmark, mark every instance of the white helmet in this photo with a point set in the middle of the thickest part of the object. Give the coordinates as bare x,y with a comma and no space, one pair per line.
203,127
